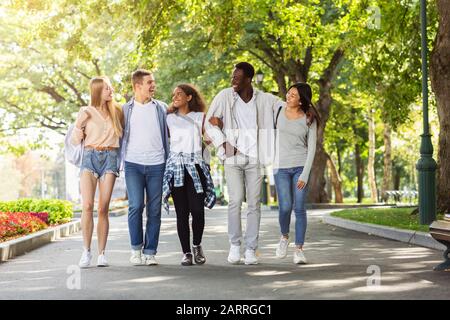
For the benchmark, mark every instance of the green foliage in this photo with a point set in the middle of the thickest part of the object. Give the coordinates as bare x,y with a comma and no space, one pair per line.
388,61
50,50
59,211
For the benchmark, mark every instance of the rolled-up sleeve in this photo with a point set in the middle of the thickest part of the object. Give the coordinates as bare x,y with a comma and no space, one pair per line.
77,136
214,133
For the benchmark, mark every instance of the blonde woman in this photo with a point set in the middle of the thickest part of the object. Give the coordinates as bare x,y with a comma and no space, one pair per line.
100,126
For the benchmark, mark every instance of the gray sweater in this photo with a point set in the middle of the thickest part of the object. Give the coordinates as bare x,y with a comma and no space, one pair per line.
295,144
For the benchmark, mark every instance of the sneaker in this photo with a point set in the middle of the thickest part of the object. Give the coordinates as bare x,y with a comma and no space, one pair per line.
136,257
150,260
299,257
101,260
85,260
234,257
250,257
187,259
199,257
282,248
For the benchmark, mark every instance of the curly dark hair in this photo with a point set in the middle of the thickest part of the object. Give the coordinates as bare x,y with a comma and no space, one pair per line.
196,104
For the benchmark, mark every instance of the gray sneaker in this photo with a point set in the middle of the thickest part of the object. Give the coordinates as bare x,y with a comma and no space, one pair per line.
199,257
187,259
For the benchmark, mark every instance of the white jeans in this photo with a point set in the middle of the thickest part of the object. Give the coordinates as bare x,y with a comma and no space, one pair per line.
243,174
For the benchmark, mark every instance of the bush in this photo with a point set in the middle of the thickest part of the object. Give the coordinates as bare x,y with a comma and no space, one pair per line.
19,223
59,211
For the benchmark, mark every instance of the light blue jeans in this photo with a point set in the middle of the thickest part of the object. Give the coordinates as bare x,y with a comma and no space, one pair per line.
289,196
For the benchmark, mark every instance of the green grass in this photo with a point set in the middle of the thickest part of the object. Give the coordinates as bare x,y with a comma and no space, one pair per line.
394,217
355,201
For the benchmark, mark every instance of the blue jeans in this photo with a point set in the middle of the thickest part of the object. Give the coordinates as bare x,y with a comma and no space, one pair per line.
290,196
140,178
100,163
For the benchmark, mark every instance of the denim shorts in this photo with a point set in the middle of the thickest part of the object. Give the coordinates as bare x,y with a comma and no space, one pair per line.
100,163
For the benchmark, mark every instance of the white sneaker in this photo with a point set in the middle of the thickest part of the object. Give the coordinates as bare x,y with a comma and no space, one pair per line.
299,257
101,261
282,248
250,257
136,257
149,260
85,260
234,257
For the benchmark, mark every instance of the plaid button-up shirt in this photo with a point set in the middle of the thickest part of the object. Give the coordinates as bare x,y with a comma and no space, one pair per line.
174,177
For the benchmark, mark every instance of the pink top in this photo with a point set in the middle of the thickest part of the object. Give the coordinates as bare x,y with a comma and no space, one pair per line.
96,130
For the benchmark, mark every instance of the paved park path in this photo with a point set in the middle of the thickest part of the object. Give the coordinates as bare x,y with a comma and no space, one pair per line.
342,263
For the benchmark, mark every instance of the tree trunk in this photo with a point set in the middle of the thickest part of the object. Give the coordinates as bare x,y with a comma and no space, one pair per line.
396,181
359,173
328,184
387,170
279,77
339,159
336,181
317,193
440,82
371,159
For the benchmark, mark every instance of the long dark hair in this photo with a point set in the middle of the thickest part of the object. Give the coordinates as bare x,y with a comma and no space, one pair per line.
305,93
196,104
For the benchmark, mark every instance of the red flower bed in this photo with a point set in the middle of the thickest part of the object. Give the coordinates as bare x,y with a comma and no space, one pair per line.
13,224
43,216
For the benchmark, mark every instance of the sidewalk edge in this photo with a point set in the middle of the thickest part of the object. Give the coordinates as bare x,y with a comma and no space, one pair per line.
408,236
22,245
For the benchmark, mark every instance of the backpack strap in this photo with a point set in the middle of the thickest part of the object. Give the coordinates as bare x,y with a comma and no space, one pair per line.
276,118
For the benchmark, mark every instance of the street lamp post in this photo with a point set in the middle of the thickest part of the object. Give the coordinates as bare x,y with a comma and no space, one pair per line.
439,230
259,77
426,165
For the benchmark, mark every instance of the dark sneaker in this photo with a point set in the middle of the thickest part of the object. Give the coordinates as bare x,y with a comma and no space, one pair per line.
199,257
187,259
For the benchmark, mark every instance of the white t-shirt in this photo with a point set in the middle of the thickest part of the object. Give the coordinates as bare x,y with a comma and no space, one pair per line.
145,143
184,135
245,114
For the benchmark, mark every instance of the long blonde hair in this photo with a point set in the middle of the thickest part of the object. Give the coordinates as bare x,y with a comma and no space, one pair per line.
96,86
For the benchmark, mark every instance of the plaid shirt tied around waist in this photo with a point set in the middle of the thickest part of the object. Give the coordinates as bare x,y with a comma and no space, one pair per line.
174,176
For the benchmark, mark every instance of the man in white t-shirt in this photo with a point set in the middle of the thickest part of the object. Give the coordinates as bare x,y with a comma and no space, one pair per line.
144,150
244,137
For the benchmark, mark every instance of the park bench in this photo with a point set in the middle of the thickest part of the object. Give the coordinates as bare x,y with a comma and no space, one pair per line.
440,231
401,196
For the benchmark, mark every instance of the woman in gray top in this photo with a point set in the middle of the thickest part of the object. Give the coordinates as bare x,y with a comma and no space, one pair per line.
296,125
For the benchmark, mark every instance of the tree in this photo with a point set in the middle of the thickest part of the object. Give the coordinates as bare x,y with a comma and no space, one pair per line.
50,50
388,68
371,161
296,41
440,81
